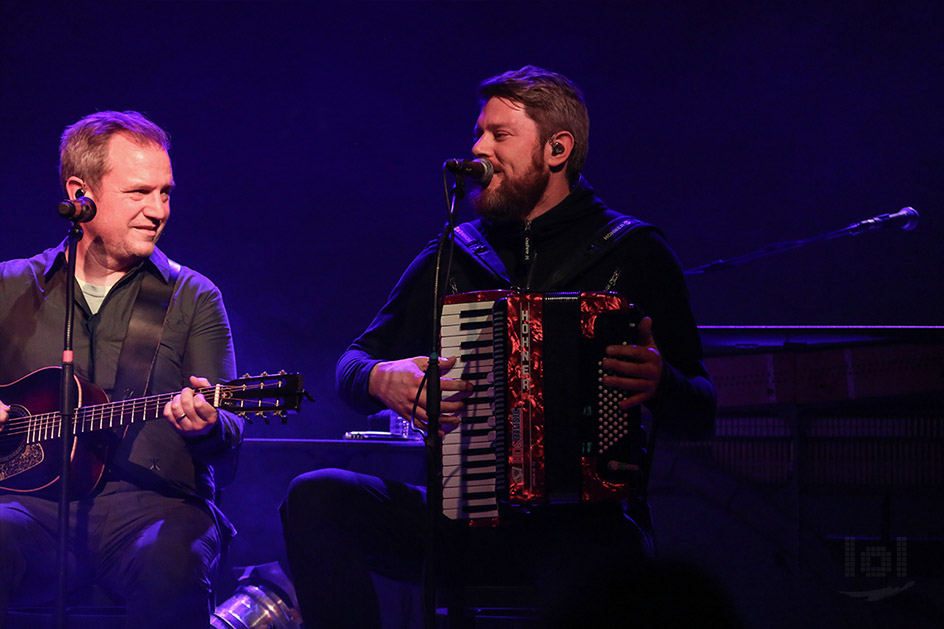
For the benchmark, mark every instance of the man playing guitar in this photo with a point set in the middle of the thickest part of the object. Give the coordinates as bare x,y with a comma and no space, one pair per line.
148,531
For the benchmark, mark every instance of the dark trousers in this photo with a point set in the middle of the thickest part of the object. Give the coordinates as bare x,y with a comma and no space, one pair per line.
156,552
339,526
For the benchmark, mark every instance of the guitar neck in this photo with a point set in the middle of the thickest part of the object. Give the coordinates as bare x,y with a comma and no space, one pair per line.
109,415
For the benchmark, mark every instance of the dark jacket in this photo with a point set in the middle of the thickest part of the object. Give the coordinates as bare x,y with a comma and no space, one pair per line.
642,267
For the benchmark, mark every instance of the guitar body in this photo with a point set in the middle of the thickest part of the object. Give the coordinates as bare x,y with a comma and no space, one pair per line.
36,467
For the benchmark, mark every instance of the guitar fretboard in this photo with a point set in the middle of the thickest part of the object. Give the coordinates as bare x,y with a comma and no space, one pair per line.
45,426
262,395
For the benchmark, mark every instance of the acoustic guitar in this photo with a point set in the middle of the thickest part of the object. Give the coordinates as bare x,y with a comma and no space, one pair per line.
30,442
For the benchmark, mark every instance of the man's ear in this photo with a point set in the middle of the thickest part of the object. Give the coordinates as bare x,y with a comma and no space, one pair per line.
558,149
75,185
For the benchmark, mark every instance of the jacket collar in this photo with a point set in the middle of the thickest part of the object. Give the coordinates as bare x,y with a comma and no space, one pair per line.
157,262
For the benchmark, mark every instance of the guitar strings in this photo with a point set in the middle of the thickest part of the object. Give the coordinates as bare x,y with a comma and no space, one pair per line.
48,424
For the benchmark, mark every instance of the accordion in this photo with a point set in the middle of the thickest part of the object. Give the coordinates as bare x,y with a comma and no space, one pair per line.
539,427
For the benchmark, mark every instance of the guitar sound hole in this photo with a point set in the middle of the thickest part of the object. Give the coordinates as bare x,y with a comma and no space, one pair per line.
13,437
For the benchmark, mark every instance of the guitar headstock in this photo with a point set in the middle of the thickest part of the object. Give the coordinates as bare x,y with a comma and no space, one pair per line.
263,395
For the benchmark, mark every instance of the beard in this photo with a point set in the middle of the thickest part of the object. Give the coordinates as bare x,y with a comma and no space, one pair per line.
513,199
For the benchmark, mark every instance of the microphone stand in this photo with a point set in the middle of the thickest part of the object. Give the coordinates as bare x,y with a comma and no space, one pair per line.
67,399
908,214
433,412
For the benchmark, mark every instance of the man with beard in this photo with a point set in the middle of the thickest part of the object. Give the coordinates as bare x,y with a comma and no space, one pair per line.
536,212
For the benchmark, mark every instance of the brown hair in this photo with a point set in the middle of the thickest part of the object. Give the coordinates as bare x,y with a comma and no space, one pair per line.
552,101
83,150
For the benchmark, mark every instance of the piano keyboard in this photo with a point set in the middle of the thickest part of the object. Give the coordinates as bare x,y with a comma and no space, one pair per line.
471,449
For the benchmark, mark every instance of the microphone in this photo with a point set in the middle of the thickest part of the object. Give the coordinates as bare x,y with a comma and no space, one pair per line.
479,169
78,210
906,215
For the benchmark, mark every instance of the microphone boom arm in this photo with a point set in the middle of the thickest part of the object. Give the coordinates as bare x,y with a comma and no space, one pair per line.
908,214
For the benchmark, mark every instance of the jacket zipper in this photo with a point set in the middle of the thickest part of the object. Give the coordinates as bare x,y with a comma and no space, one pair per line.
529,254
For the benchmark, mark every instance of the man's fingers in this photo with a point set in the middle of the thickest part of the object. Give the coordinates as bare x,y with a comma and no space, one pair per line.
638,353
448,384
626,383
199,383
633,401
451,407
644,331
631,369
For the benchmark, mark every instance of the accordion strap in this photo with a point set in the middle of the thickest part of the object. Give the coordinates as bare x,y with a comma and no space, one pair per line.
471,240
601,243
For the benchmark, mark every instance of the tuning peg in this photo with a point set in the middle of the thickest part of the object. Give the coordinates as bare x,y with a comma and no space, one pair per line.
246,375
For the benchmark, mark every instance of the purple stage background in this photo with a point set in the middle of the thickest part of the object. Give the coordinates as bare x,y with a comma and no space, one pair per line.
308,139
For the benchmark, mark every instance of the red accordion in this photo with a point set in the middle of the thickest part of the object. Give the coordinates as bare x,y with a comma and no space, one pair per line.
539,427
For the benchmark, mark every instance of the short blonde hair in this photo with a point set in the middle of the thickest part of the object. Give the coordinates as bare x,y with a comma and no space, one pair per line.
83,150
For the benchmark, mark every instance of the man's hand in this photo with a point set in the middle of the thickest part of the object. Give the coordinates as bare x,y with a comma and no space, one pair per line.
636,368
191,415
395,383
4,413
